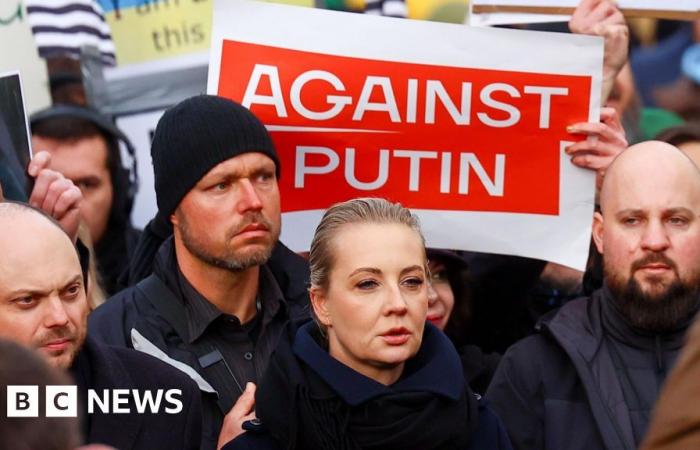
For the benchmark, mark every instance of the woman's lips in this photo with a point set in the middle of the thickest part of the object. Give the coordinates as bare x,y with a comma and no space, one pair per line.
396,336
435,319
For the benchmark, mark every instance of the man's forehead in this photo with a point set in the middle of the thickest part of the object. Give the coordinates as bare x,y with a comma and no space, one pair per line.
37,268
652,174
25,231
667,192
243,162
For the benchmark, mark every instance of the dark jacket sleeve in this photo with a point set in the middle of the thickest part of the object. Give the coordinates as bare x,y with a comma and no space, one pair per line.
516,396
252,441
111,322
490,433
478,367
192,432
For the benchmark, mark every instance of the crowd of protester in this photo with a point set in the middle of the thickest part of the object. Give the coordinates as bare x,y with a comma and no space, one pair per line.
369,341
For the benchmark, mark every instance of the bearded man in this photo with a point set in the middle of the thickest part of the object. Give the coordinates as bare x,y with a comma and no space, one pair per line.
212,306
591,375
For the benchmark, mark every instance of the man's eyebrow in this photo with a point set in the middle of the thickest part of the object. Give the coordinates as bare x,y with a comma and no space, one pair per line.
26,291
630,212
679,210
78,278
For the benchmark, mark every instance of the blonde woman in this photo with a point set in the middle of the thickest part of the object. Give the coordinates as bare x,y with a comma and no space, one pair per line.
368,372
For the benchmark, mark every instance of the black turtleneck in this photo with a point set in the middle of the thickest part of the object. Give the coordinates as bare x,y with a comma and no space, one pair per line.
642,360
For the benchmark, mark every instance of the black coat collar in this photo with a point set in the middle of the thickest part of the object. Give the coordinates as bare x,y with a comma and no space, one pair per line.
435,362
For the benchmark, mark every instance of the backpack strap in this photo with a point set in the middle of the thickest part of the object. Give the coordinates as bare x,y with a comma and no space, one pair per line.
211,362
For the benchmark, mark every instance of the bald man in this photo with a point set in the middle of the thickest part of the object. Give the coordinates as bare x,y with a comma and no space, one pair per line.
589,377
43,306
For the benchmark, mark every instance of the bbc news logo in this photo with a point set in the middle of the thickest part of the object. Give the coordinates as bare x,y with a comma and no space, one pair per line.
62,401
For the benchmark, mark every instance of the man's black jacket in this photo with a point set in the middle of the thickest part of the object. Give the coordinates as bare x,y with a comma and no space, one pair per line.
107,367
151,317
562,389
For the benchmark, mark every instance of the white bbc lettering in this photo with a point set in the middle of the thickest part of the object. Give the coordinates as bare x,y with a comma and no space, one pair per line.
22,401
61,401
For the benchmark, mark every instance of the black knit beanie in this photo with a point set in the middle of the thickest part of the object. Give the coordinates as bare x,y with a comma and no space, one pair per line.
196,135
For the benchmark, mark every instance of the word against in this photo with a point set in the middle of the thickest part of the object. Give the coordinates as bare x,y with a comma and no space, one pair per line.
62,401
435,93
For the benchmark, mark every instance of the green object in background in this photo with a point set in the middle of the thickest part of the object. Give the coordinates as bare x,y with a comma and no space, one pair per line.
17,15
655,120
338,5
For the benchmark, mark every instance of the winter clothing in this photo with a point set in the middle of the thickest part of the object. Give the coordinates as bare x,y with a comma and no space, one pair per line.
191,139
157,316
587,380
309,400
100,367
196,135
478,367
676,419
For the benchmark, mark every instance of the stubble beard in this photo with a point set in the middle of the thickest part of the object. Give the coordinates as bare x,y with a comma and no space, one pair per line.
64,360
230,260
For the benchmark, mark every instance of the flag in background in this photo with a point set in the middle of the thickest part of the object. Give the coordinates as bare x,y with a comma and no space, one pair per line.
62,27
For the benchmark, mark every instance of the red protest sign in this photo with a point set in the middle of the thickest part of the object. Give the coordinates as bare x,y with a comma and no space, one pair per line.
430,136
464,125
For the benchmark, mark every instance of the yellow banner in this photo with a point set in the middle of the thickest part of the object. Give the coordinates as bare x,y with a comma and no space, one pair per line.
148,30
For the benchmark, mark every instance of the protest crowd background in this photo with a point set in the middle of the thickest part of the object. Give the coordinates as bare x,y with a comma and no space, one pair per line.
143,241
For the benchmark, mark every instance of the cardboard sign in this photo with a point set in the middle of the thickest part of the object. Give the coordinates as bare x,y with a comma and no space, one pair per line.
500,12
462,125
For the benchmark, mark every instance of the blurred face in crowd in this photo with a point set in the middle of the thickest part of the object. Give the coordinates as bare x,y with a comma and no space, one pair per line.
231,217
442,303
649,235
623,92
84,162
42,298
375,304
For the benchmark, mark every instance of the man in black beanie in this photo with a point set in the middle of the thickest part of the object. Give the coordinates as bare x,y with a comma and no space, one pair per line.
212,307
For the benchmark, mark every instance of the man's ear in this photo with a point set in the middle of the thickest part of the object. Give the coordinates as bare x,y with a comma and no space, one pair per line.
598,225
319,302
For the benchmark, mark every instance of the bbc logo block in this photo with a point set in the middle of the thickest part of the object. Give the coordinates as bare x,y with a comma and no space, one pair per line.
22,401
60,401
